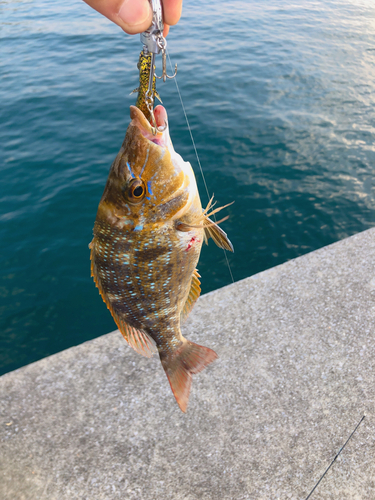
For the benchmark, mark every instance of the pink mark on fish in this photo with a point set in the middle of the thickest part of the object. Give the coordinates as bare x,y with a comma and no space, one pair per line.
193,240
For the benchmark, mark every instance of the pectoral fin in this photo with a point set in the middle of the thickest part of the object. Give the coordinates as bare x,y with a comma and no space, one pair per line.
217,234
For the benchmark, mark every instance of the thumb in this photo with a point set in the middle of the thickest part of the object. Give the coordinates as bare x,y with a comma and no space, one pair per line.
136,16
133,16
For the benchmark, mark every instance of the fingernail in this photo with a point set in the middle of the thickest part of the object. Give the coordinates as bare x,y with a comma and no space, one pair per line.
134,12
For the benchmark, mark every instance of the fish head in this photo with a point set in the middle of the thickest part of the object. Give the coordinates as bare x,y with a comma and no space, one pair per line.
149,183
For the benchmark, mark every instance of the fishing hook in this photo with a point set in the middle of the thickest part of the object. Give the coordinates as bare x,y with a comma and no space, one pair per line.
154,43
162,42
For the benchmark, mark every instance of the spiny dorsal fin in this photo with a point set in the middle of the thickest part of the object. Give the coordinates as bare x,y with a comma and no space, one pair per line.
217,234
195,291
139,340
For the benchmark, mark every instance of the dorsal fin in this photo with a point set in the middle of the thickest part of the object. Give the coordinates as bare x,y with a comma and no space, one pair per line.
139,340
195,291
211,229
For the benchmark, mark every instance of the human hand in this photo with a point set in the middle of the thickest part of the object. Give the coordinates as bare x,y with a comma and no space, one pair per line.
135,16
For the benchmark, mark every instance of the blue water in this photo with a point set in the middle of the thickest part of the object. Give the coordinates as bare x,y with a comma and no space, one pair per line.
281,101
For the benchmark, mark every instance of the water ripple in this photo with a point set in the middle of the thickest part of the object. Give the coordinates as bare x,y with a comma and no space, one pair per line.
281,101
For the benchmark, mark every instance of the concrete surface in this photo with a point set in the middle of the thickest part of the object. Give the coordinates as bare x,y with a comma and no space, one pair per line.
295,375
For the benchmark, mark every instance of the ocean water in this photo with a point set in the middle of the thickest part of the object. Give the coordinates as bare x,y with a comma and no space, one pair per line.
281,100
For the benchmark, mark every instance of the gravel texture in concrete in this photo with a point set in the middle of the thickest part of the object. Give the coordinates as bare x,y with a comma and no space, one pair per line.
295,375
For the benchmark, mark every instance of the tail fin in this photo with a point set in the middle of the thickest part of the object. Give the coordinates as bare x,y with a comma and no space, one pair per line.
188,359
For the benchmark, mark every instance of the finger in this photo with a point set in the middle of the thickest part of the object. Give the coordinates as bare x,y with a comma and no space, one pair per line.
133,16
166,29
172,11
136,15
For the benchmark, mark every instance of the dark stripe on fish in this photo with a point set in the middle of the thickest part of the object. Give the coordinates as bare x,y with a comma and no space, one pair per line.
174,205
149,254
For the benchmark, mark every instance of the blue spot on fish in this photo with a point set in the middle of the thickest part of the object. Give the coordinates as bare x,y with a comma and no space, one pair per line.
138,227
130,170
149,187
145,161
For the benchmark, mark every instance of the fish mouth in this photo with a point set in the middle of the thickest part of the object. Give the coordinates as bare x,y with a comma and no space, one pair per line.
161,138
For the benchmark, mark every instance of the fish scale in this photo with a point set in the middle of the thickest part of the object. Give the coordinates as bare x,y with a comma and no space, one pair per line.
147,240
140,265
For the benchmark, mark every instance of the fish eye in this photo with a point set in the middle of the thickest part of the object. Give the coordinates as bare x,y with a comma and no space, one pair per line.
138,191
135,191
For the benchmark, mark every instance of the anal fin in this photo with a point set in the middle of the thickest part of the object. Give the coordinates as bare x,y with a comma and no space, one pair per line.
139,340
194,293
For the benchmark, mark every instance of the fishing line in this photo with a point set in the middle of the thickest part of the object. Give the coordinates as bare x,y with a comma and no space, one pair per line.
337,454
196,154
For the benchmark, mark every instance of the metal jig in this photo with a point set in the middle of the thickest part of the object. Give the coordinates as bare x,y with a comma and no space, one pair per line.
154,43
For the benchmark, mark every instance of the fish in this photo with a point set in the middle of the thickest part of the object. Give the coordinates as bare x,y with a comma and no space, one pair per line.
148,235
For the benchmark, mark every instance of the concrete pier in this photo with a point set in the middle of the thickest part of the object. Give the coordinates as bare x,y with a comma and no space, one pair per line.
295,374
